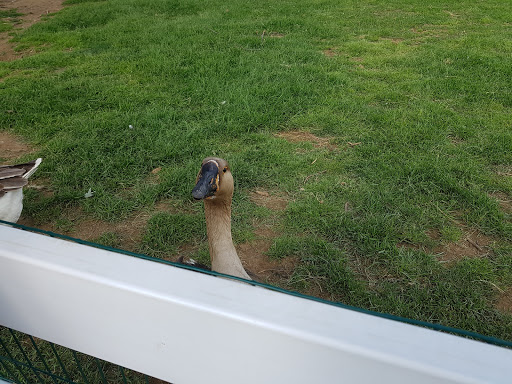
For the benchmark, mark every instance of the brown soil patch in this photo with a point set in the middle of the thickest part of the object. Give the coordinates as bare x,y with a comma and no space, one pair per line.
32,11
503,170
504,201
128,231
43,185
431,30
258,264
504,303
276,35
452,14
330,52
12,147
268,200
455,139
393,40
392,13
302,136
407,245
473,244
153,177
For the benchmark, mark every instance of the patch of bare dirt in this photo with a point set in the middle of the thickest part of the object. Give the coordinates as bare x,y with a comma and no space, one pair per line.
430,31
503,170
262,267
154,176
388,13
331,52
272,201
454,139
452,14
473,244
394,40
12,147
32,11
302,136
254,253
43,185
504,201
407,245
276,35
358,62
128,231
504,303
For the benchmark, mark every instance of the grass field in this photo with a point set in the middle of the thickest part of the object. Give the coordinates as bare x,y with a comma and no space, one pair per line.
370,141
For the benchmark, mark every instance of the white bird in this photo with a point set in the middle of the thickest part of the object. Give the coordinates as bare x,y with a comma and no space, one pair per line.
12,180
214,185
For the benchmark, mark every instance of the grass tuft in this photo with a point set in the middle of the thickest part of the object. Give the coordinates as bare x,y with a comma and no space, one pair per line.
165,232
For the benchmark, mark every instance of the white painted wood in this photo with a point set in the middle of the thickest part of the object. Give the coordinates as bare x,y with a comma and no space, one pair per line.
188,327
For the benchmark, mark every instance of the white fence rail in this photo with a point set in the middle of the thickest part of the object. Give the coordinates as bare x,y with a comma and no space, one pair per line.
187,327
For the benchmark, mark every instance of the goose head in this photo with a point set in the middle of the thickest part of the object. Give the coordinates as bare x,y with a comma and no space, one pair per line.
214,181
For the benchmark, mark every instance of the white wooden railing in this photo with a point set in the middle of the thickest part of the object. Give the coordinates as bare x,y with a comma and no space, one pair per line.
187,327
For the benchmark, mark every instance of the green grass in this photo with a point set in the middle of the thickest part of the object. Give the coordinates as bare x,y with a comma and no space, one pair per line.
423,87
8,18
165,232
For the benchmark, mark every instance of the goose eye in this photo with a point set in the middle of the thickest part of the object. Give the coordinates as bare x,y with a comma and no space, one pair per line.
225,169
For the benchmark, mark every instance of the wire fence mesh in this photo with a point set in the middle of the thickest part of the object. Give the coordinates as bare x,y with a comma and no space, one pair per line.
25,359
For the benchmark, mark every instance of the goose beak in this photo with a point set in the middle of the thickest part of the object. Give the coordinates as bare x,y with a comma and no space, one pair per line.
207,181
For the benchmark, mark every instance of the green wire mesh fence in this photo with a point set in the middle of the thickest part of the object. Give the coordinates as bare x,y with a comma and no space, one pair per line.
26,360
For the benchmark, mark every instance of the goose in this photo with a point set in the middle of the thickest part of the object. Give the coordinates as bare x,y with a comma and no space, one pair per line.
214,185
12,180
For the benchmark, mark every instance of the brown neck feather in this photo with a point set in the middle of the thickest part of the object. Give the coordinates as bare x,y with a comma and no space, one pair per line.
218,226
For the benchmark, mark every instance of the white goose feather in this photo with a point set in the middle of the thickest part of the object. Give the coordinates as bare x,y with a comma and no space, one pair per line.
12,180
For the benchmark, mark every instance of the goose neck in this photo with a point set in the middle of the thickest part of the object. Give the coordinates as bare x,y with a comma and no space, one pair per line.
223,254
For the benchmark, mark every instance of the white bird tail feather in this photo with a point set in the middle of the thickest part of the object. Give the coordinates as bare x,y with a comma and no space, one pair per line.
33,169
